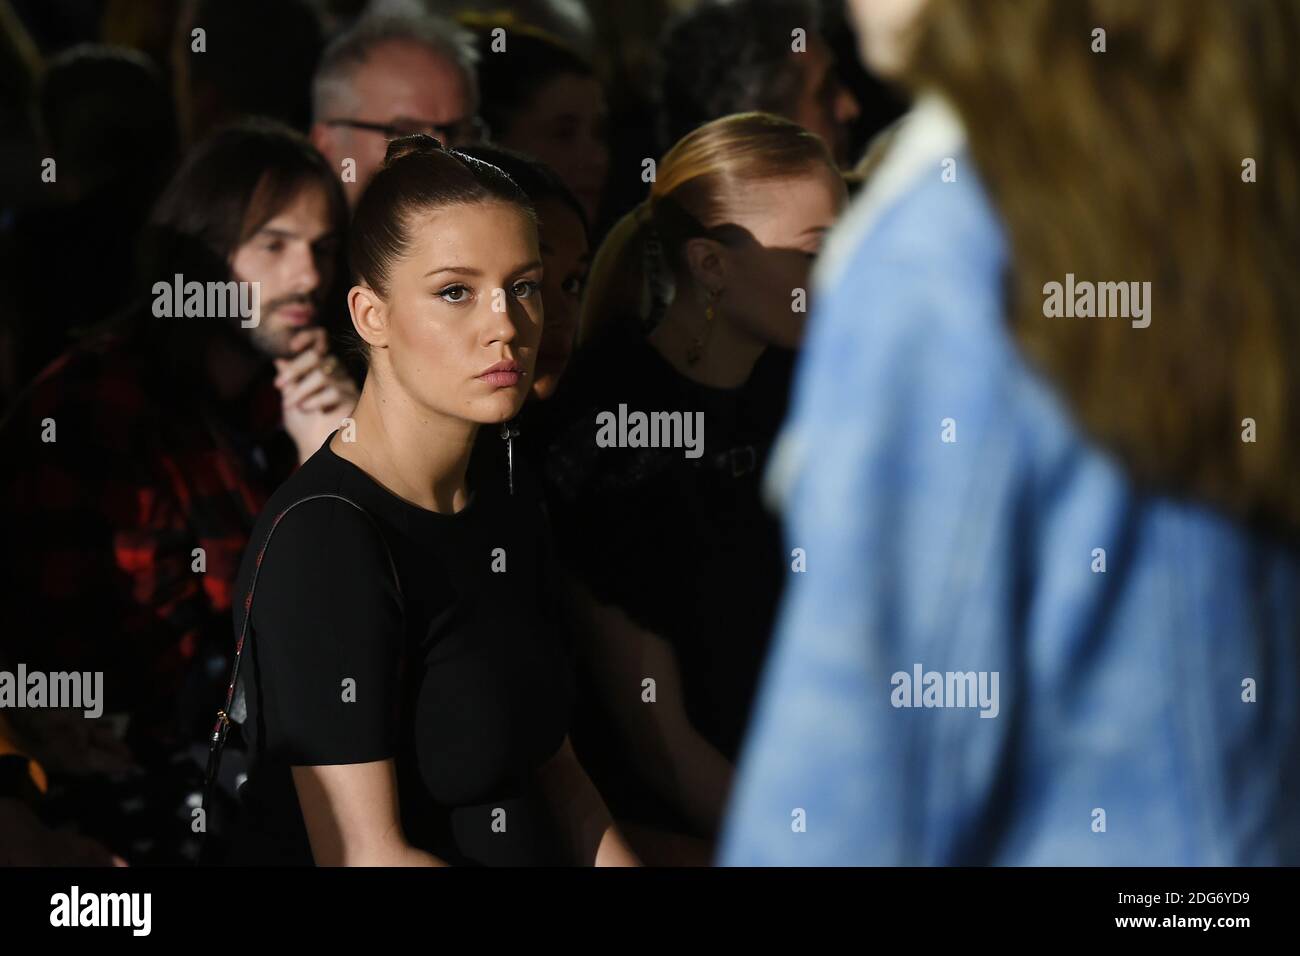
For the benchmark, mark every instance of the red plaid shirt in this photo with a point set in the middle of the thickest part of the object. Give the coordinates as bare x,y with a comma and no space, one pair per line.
102,524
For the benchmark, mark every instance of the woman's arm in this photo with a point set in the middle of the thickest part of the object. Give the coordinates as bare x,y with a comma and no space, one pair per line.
323,625
352,818
584,820
668,753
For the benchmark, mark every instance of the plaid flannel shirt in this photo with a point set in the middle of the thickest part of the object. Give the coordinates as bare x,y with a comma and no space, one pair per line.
114,473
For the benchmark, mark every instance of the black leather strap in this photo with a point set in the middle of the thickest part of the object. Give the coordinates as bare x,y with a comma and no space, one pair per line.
235,709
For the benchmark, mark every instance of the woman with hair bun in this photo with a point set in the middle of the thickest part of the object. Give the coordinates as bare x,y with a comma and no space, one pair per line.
408,696
564,237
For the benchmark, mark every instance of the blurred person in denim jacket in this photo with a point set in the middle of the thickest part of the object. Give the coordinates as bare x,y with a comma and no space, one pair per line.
1099,511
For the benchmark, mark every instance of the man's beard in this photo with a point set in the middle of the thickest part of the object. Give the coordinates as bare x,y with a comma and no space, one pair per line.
270,340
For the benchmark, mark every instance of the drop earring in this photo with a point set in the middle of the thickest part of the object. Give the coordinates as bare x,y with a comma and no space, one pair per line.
698,344
509,432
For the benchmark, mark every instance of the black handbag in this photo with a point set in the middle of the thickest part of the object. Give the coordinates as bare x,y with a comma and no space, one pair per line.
235,710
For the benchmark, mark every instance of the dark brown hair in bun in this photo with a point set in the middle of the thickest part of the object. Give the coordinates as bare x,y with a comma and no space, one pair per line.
418,175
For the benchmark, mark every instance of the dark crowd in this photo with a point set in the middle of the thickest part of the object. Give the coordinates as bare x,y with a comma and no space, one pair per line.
661,432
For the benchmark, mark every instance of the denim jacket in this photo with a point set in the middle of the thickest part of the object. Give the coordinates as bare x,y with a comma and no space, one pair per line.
957,522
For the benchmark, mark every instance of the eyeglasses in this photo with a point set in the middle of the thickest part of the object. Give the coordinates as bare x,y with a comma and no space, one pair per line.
468,130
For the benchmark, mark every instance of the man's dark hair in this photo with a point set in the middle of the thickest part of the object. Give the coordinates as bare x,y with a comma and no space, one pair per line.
730,56
227,189
107,115
509,80
258,60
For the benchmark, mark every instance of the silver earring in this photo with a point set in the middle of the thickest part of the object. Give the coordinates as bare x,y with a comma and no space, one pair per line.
509,432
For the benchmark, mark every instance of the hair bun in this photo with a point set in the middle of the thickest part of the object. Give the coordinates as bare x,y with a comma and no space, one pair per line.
410,145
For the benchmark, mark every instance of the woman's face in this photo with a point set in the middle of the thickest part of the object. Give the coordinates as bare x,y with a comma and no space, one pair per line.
767,270
564,127
567,259
884,32
463,314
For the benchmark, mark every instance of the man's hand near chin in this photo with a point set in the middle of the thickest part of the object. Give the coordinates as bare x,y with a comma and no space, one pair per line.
315,389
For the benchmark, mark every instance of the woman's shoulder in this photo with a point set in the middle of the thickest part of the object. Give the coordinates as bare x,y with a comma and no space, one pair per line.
316,529
317,498
330,519
320,571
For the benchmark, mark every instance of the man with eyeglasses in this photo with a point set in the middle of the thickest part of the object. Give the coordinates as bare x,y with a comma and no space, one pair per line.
387,77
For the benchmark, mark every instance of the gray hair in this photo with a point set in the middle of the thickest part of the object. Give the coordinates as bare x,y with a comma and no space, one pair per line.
568,20
347,51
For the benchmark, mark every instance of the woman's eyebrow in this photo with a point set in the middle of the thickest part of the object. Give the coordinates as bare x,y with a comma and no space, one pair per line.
471,271
460,270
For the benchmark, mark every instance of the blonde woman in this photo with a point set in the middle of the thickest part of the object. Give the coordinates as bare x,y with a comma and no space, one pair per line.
679,560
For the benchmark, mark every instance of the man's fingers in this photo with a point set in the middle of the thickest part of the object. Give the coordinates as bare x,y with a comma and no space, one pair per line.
296,367
327,398
308,385
287,370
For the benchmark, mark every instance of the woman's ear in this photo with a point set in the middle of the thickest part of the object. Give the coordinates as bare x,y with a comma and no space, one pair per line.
369,316
707,260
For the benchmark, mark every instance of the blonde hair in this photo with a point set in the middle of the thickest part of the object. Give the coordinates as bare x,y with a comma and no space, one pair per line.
1132,164
697,186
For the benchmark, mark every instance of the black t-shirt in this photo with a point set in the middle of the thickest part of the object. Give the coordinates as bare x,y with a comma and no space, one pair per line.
452,666
684,546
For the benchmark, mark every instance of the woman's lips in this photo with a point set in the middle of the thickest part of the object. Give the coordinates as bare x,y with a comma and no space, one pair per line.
502,375
501,379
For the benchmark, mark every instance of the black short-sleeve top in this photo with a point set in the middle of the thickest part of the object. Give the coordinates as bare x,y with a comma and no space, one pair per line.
390,631
685,546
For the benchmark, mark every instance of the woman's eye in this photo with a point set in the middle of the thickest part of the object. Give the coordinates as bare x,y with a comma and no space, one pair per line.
275,246
454,293
573,285
522,290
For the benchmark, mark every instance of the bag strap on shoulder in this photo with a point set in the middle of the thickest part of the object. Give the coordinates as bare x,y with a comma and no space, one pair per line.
235,709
